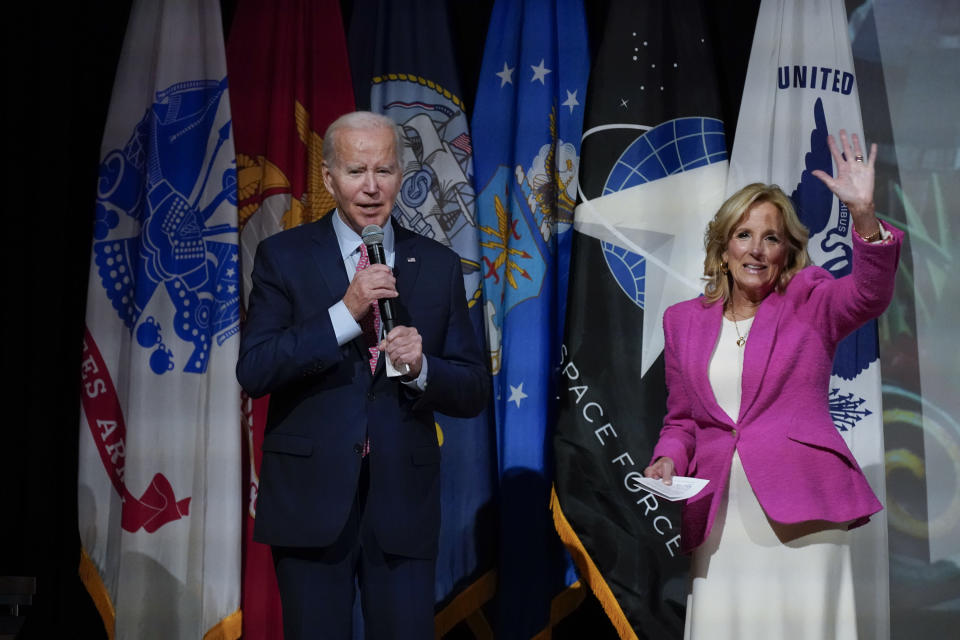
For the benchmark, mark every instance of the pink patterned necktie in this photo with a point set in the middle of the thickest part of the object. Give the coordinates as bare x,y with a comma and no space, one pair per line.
370,323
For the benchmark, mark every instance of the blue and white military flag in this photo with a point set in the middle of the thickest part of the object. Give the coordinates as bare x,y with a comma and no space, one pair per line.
527,126
801,86
159,472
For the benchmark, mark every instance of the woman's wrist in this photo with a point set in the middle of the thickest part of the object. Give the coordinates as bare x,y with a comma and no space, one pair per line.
871,237
865,221
861,210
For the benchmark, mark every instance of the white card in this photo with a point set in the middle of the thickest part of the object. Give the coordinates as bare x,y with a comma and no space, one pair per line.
681,489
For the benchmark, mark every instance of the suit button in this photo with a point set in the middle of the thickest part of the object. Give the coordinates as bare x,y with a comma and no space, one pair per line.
371,396
358,448
733,432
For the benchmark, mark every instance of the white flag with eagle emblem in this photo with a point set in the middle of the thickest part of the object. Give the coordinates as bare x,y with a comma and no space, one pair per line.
159,490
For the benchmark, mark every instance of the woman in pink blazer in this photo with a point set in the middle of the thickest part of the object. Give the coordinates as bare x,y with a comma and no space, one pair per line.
747,369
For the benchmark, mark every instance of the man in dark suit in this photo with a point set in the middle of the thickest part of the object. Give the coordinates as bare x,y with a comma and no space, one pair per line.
350,481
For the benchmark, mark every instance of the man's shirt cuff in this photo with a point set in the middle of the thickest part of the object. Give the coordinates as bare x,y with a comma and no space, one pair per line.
420,382
344,326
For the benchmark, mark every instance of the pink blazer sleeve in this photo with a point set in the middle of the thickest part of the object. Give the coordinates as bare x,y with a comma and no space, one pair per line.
678,436
845,304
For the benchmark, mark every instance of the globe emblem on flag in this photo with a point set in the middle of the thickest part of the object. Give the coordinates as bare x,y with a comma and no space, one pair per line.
158,227
669,148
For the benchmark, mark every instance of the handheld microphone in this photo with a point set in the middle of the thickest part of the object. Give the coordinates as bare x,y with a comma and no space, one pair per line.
372,236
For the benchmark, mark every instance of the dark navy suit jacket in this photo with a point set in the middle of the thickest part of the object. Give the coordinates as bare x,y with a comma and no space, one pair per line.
324,400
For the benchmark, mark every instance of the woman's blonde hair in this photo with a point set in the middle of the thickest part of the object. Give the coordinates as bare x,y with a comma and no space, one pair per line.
719,283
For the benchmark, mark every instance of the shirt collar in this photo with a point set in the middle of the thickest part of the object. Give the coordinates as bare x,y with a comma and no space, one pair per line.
349,240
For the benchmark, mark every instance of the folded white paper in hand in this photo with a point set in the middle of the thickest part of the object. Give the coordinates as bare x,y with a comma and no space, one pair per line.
681,489
392,371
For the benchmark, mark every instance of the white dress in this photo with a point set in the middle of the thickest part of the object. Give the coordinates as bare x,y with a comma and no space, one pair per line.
745,582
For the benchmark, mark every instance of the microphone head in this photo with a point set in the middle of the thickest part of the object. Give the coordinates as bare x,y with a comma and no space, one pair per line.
371,235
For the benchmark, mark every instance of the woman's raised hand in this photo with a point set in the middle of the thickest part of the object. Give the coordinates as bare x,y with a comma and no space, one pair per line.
854,181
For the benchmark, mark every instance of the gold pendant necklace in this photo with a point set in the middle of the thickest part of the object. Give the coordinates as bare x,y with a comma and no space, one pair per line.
741,340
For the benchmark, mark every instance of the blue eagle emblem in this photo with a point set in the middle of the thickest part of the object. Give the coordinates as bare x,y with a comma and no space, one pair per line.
813,201
155,198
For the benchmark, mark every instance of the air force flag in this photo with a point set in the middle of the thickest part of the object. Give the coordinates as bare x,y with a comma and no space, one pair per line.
528,122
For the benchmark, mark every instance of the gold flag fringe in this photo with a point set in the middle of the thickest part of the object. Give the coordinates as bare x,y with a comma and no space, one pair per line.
230,628
589,571
91,579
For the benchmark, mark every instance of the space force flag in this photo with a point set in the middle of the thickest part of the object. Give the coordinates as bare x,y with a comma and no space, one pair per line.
653,172
159,470
800,86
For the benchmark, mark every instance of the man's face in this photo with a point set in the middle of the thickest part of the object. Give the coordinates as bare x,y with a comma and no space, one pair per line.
365,178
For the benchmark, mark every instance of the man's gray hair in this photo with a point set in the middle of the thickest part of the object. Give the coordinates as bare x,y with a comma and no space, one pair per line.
364,121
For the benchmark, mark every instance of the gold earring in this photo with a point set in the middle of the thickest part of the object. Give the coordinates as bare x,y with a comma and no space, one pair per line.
723,268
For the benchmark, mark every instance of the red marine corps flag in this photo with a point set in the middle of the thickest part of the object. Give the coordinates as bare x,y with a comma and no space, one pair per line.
159,468
282,105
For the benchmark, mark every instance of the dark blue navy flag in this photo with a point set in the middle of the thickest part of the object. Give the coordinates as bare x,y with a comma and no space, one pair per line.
403,65
527,124
653,172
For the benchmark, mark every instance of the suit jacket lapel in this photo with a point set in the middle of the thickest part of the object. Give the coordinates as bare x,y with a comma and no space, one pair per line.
406,268
326,253
759,349
700,341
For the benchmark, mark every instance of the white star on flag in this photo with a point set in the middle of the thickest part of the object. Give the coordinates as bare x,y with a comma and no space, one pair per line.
516,394
662,220
571,100
506,76
540,72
